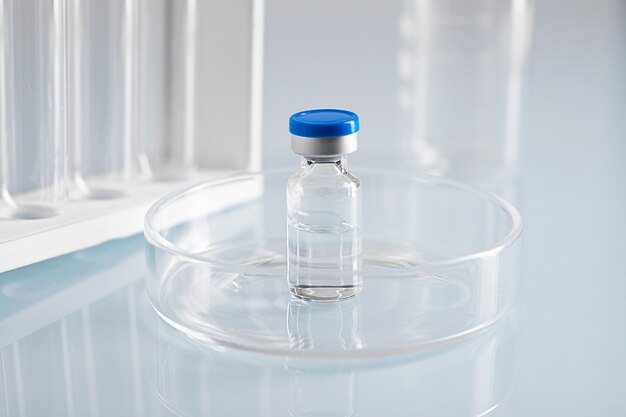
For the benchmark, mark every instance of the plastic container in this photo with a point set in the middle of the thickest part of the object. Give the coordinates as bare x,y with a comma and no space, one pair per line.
461,65
440,262
33,170
102,76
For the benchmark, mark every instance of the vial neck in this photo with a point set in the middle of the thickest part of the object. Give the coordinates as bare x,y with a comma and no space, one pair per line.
338,160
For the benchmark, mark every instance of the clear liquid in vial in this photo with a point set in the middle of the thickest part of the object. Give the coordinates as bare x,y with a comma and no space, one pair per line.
324,260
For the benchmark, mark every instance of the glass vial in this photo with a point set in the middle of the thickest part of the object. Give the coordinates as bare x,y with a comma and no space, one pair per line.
324,208
33,172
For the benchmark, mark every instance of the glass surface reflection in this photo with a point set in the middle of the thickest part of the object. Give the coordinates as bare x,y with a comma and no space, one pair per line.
104,352
312,325
468,379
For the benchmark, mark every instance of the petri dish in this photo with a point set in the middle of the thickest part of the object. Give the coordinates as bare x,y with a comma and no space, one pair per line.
440,264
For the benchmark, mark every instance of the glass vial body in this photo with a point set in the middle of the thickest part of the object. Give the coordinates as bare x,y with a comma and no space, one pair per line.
324,231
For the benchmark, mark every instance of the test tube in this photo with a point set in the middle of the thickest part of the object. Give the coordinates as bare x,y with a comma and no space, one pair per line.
167,99
461,65
33,170
102,98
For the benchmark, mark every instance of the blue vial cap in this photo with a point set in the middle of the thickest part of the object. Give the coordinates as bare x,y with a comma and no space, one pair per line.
323,123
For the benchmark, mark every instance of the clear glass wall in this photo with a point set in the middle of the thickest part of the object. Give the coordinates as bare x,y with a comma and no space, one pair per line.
32,108
102,51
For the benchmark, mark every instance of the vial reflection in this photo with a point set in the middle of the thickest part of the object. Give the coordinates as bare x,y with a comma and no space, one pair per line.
323,326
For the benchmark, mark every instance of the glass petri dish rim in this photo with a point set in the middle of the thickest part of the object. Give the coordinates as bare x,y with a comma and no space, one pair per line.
154,238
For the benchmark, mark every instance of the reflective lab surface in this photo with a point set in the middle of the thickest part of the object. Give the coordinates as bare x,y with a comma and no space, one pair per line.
92,345
78,337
